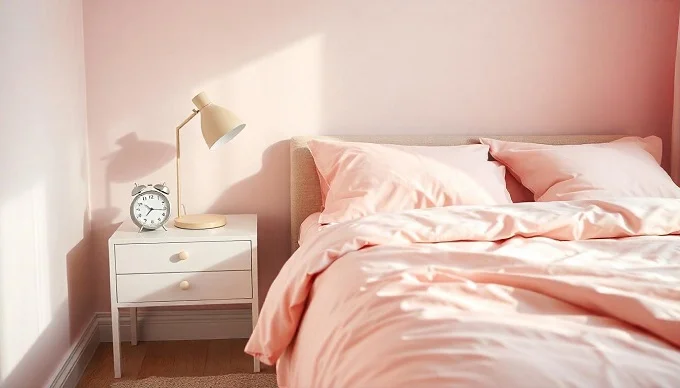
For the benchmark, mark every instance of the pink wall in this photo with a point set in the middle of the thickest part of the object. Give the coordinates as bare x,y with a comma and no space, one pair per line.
45,284
354,67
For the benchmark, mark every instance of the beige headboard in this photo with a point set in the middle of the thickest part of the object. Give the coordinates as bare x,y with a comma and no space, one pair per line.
305,192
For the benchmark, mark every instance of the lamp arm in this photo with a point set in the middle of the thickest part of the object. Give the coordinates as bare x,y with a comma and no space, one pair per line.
193,114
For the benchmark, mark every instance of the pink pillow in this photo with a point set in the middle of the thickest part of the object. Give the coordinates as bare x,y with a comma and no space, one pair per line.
366,178
628,167
518,193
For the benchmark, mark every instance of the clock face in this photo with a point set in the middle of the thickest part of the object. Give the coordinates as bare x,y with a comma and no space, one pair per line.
150,210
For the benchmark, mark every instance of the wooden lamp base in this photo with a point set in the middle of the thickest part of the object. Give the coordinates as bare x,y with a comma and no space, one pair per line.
200,221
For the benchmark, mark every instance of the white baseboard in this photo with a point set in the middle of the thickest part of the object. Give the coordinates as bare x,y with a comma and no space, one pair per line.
173,325
154,325
79,356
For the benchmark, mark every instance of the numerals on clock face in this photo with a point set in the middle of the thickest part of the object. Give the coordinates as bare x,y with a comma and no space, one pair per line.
151,210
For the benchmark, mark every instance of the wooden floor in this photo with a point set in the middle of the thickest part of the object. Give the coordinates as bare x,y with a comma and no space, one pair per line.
169,358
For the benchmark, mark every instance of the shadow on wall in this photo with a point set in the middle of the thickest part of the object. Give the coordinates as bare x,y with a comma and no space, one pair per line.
134,159
272,231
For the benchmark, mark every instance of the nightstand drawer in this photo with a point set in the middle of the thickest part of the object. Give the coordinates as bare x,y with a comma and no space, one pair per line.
183,257
190,286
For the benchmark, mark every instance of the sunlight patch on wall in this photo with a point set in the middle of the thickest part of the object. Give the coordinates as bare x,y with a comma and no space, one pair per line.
278,89
25,303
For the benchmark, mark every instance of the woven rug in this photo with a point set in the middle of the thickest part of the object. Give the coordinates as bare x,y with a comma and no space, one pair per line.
236,380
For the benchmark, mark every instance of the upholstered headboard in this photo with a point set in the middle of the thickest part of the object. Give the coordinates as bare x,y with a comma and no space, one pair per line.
305,192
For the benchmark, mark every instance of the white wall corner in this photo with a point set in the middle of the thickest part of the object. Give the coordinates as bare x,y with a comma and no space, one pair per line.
78,357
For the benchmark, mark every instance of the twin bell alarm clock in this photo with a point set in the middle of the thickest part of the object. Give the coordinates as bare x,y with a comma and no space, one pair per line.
150,207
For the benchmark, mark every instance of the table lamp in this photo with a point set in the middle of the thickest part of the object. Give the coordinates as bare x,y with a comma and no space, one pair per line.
218,126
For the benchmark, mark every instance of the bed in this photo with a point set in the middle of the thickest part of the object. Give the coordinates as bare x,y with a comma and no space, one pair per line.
573,293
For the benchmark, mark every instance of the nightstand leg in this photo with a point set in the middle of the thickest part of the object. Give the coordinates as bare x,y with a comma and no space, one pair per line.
115,327
256,362
133,325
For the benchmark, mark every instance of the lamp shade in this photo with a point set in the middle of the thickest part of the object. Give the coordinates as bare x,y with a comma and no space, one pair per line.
218,124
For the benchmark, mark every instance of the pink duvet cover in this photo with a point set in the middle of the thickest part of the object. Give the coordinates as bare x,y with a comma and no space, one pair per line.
579,293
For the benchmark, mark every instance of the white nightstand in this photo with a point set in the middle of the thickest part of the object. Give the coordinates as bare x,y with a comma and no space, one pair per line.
180,267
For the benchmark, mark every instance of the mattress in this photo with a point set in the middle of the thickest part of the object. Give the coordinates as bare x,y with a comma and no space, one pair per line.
573,293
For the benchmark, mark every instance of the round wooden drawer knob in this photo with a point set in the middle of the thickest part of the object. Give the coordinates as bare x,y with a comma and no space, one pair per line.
184,285
183,255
